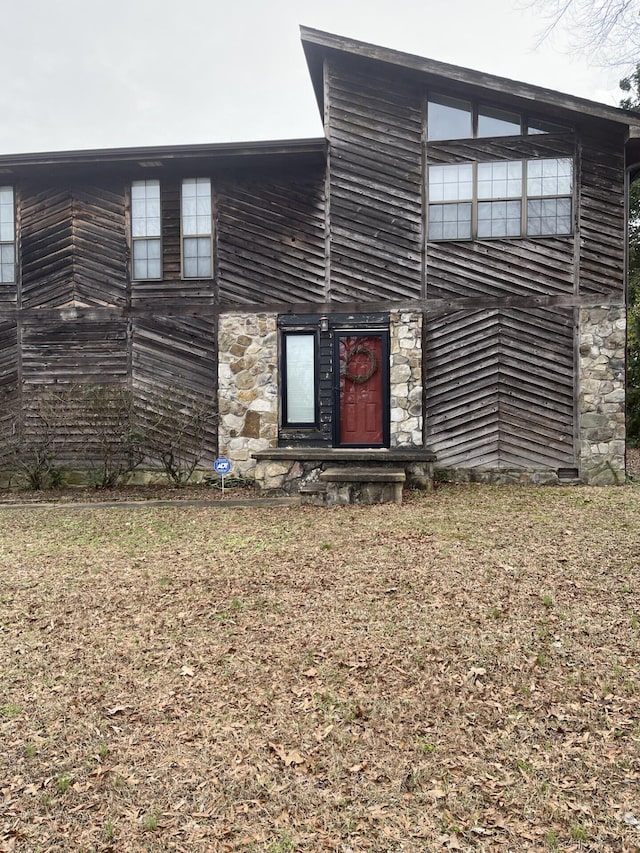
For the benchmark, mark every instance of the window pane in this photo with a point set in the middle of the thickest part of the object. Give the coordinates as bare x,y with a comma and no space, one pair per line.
499,218
449,221
197,257
550,176
146,259
196,206
448,118
7,262
549,216
494,122
500,180
450,183
300,379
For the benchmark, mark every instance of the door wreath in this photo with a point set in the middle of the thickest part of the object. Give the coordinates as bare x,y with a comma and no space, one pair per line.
361,378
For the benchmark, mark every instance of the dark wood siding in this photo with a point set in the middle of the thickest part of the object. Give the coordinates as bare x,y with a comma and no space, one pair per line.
375,189
72,246
499,387
63,351
270,240
497,268
173,357
602,218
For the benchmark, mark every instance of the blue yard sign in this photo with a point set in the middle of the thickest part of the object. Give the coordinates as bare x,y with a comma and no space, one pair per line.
222,466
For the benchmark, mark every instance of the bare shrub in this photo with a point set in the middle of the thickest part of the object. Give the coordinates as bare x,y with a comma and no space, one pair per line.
33,439
178,424
113,431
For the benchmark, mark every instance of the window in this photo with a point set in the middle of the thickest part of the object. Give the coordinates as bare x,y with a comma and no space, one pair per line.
7,236
299,373
455,118
505,198
552,181
449,118
447,184
145,229
196,228
495,122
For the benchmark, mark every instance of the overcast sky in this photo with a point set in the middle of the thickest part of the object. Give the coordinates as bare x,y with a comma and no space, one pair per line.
109,73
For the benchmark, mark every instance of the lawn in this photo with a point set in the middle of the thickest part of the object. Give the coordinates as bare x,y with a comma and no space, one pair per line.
456,673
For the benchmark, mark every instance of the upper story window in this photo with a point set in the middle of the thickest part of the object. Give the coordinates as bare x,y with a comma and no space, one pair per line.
7,236
506,198
196,228
145,229
455,118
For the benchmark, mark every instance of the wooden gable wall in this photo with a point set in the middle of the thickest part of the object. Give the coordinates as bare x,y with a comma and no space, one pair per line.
500,315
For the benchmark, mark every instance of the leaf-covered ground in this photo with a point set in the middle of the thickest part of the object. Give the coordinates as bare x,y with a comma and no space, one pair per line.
459,672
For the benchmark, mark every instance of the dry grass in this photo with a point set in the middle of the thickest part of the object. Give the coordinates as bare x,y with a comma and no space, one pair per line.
458,673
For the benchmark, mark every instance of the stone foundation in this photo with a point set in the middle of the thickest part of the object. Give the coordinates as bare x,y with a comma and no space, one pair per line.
601,403
247,388
405,376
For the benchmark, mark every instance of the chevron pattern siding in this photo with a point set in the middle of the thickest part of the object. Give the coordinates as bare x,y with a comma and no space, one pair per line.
375,201
46,226
270,240
500,388
175,358
73,247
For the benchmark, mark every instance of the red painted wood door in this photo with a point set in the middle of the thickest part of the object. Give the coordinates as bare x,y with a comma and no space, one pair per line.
362,390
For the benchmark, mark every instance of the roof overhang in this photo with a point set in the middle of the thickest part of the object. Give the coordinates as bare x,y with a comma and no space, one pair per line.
317,45
234,155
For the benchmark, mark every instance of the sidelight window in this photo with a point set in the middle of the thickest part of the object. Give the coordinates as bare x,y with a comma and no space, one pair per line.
300,379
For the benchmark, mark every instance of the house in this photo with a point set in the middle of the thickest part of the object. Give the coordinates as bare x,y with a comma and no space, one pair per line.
442,277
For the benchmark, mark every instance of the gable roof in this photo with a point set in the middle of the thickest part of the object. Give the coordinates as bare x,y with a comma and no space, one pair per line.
317,45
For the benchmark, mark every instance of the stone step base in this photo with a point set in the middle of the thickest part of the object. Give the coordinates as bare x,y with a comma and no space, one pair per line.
351,485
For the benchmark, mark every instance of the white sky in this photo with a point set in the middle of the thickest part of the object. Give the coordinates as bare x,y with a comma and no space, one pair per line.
110,73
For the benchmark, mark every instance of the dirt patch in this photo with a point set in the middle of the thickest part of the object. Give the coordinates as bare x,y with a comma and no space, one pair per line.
460,672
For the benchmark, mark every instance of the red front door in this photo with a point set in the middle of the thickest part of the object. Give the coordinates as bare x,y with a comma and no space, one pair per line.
362,389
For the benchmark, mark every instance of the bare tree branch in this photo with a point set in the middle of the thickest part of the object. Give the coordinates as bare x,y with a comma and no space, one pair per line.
608,30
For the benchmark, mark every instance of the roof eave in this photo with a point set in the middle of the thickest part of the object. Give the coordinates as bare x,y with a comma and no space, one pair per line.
317,44
167,153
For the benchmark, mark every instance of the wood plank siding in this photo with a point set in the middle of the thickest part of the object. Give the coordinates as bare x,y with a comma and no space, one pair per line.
375,186
270,240
499,387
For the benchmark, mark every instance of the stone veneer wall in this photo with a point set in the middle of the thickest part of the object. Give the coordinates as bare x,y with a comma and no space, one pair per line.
601,403
406,379
247,387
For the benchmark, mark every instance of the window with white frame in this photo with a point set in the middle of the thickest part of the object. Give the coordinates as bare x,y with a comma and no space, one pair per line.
196,228
146,241
501,199
7,236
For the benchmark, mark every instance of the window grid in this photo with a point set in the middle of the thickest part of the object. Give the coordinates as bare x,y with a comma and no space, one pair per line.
7,236
500,207
146,230
196,228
